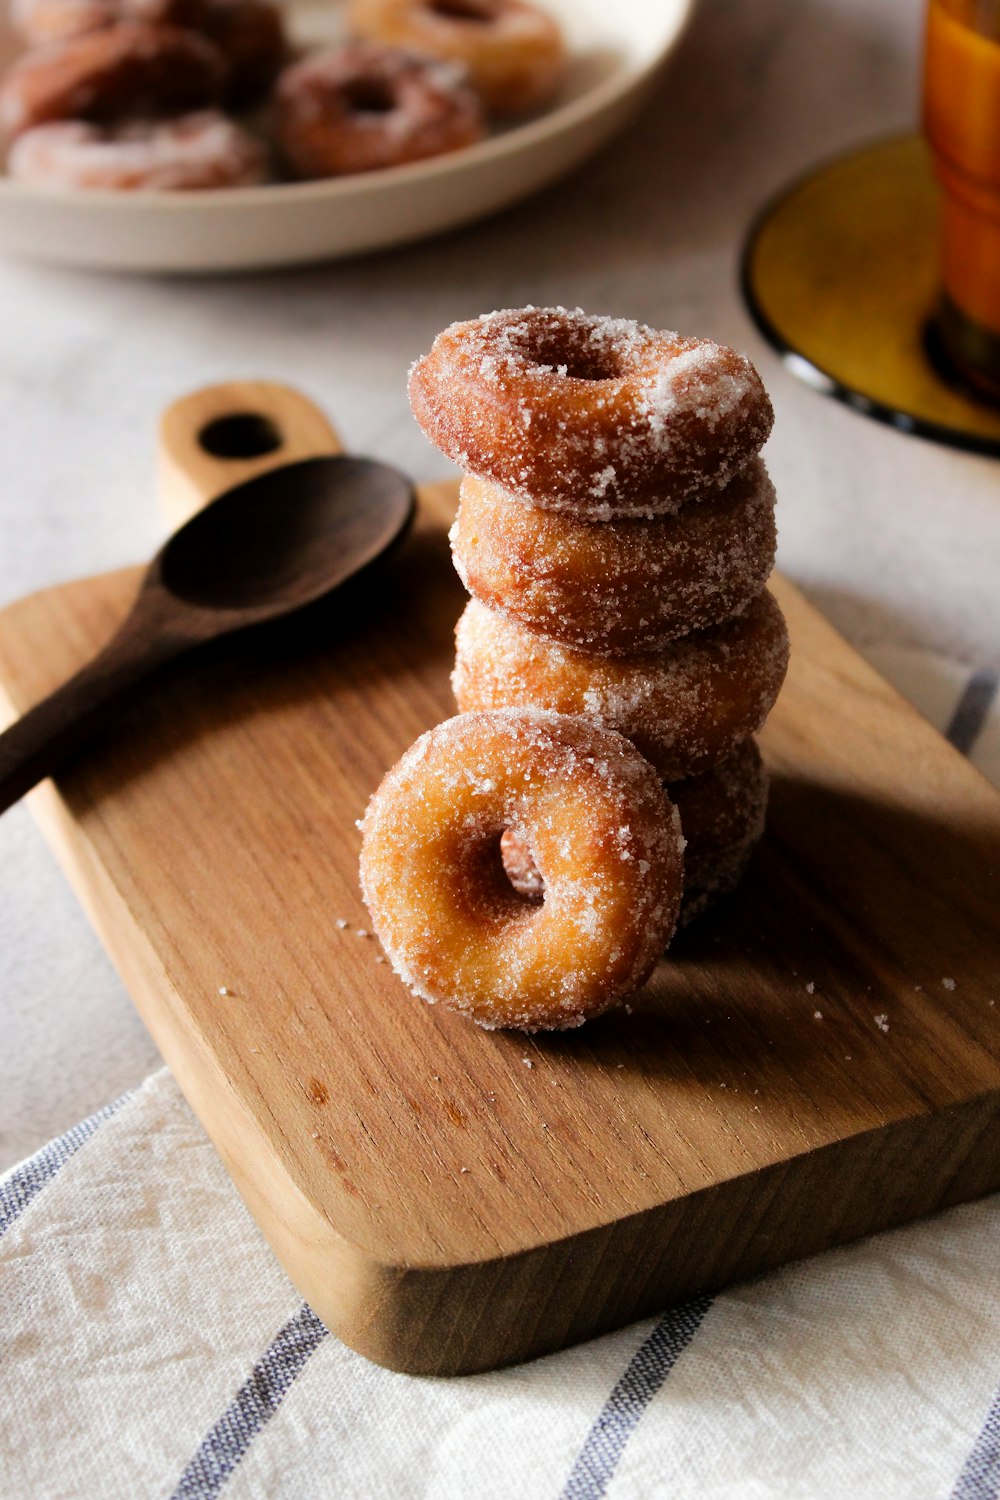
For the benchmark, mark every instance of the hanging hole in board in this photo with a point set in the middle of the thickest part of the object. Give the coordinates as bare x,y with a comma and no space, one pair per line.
242,434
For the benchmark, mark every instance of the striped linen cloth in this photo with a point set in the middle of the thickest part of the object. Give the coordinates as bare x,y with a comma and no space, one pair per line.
151,1346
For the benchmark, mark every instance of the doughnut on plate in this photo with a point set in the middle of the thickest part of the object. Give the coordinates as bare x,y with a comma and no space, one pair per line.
450,1199
616,52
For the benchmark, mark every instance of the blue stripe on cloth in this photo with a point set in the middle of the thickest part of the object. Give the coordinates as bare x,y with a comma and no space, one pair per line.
647,1370
254,1404
21,1185
980,1476
972,711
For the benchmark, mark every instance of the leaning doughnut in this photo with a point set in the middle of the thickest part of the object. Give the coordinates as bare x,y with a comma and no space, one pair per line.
722,815
599,825
600,417
627,587
685,707
42,21
199,151
514,52
359,107
132,68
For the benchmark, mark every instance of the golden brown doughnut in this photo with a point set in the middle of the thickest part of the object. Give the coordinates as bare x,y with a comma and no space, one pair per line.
601,828
190,153
685,706
359,108
43,21
630,586
722,815
130,69
600,417
514,51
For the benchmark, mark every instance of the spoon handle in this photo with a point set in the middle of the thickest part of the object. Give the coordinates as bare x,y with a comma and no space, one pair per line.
221,435
39,741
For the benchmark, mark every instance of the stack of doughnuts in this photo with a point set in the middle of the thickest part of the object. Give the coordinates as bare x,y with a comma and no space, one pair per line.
528,861
616,532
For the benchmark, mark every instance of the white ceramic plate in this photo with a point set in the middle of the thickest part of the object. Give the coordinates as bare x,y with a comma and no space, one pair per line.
617,47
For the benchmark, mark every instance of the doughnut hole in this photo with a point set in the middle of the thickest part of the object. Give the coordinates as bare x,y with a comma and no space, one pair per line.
520,869
476,12
369,96
570,352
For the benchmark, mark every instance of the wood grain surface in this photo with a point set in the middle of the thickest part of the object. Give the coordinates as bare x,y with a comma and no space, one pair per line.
817,1059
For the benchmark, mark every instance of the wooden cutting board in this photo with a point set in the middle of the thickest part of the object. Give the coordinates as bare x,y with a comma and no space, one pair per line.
816,1060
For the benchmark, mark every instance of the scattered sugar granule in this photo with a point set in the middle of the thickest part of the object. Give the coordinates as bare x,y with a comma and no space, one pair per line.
315,1135
463,1170
362,932
341,923
527,1062
380,958
223,989
255,1049
949,984
817,1015
811,987
882,1022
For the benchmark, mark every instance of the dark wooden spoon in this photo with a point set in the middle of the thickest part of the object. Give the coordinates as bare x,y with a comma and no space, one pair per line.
271,546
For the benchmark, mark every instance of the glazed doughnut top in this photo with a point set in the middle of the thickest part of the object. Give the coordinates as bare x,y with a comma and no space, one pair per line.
601,417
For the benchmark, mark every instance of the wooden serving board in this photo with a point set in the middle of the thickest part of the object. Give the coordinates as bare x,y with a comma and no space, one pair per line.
449,1199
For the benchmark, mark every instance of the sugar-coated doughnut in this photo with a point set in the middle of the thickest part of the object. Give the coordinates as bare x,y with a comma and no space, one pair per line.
685,706
130,69
630,586
42,21
722,815
602,831
250,34
600,417
360,107
513,50
190,153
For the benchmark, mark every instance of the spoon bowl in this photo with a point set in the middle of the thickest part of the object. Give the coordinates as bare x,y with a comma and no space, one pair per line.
262,550
286,538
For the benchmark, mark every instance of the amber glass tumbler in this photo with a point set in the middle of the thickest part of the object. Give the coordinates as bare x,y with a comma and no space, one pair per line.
962,122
